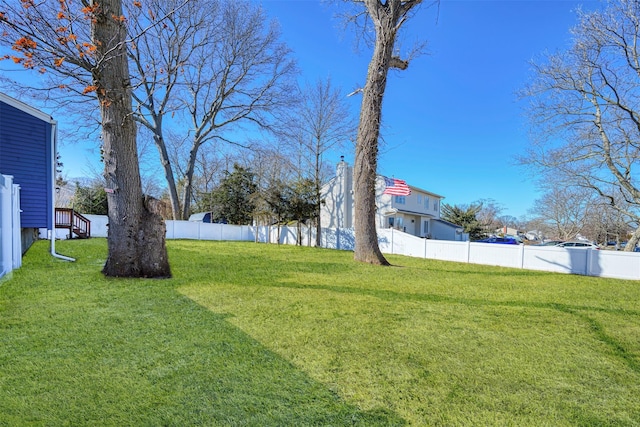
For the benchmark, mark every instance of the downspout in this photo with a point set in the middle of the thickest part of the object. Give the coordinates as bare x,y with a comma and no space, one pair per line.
54,150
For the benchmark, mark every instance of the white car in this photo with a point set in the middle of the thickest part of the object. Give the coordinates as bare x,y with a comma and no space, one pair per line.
577,245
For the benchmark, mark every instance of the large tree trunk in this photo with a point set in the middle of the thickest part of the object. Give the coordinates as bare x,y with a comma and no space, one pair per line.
366,161
136,235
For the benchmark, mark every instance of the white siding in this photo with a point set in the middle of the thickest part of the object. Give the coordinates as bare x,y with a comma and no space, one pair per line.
408,216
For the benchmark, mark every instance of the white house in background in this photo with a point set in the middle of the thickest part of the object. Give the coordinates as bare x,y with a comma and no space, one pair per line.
410,209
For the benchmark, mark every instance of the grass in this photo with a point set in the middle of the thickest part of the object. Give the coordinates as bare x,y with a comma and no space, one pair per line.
264,335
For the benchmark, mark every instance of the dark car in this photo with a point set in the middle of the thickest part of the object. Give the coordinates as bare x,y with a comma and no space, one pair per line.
501,240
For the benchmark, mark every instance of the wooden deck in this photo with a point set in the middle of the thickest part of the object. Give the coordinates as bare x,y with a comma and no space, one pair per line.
74,222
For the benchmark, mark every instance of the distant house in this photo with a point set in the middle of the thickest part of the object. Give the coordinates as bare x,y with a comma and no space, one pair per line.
507,231
398,205
27,158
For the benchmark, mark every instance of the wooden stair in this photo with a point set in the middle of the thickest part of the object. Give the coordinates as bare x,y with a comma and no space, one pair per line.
74,222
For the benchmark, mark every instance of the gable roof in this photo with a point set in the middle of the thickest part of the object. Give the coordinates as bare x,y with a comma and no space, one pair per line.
450,224
413,187
26,108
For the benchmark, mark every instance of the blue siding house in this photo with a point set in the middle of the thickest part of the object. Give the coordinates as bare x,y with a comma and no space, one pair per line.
27,141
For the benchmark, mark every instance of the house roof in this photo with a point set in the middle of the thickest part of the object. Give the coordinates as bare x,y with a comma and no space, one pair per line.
26,108
448,223
413,187
405,211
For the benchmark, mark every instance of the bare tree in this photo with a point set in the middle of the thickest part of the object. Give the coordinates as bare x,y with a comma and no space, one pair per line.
564,210
321,123
387,18
238,79
214,65
273,169
210,168
85,44
488,214
270,164
605,224
507,221
159,57
584,101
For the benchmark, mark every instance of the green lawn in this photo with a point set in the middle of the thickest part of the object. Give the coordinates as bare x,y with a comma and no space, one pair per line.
265,335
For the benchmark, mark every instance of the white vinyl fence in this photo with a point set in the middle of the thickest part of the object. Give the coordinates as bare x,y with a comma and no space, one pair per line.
622,265
10,233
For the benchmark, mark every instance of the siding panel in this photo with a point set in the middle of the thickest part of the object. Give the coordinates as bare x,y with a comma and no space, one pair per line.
25,153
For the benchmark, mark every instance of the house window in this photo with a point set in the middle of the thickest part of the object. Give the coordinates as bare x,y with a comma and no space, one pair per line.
401,200
419,199
435,205
425,227
391,221
426,202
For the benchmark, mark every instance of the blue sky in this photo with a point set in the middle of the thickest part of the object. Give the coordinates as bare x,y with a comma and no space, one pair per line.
453,123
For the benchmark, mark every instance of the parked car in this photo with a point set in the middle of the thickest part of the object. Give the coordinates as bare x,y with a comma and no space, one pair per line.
517,238
578,245
550,243
501,240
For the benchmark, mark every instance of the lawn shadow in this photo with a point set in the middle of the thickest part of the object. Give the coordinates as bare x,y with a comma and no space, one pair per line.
167,360
96,351
245,383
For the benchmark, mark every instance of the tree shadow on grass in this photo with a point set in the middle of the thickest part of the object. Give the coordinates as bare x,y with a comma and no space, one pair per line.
132,352
244,383
140,353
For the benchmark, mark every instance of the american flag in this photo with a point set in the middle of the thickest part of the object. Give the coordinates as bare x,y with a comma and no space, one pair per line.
396,187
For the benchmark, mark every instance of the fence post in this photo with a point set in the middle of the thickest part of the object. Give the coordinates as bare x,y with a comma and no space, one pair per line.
392,241
425,247
17,226
10,236
6,232
71,221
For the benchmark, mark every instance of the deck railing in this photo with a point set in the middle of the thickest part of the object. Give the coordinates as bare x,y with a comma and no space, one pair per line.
75,222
